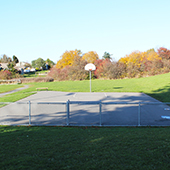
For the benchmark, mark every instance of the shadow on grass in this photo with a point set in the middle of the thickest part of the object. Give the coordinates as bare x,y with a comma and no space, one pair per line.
117,87
162,94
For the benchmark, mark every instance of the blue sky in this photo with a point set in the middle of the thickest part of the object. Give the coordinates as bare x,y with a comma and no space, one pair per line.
31,29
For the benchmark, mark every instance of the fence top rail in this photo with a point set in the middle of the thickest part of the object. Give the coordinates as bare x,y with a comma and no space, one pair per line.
86,102
29,102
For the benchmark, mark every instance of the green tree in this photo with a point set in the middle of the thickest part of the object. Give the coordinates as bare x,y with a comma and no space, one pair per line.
39,63
50,63
106,55
11,66
15,59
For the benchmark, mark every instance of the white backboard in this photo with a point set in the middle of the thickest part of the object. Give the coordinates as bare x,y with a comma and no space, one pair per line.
90,67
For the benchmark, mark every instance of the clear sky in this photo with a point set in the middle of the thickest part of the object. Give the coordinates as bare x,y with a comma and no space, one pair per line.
31,29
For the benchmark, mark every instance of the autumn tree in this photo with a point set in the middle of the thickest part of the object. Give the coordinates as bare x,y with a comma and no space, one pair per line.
90,57
164,53
139,63
77,71
108,69
67,58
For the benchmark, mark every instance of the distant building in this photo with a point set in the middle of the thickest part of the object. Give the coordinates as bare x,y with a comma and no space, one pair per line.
3,66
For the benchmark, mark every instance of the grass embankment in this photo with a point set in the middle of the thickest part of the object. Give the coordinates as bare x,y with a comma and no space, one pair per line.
84,148
155,86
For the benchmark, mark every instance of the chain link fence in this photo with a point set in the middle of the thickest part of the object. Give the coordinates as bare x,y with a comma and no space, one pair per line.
85,113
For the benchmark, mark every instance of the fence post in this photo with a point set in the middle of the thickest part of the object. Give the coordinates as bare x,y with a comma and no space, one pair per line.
29,113
100,112
68,111
139,113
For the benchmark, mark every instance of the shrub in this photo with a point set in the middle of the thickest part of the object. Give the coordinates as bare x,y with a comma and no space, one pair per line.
36,79
59,74
5,75
77,71
74,72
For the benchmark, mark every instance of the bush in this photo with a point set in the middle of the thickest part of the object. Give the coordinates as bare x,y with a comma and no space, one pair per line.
77,71
74,72
59,74
5,75
36,79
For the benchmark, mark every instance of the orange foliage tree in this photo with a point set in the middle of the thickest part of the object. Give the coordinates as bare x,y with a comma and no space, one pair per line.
139,63
67,58
90,57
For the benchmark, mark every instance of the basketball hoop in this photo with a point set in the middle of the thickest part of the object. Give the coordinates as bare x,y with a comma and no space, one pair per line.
90,67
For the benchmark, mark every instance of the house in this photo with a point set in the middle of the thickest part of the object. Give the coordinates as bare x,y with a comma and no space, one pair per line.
3,66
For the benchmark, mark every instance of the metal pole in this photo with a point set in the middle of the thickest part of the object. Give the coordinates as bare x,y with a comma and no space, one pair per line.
100,112
68,111
29,113
90,81
139,110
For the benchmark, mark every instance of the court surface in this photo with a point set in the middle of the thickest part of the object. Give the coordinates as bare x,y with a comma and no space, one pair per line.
86,115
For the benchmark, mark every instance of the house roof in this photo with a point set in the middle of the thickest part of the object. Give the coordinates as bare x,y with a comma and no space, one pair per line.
4,65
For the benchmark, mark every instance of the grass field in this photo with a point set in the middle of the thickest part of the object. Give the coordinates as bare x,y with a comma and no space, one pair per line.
84,148
6,88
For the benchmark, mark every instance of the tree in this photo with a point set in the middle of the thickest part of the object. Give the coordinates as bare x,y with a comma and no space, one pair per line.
90,57
50,63
77,71
15,59
137,63
164,53
150,50
39,63
106,56
5,59
67,58
11,67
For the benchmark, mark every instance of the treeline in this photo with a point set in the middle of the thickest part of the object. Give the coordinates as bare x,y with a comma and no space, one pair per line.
137,64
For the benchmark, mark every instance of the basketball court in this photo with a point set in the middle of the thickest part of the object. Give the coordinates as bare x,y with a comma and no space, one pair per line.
84,110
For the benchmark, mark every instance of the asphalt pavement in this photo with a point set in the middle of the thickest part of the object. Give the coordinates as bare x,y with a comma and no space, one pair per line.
125,111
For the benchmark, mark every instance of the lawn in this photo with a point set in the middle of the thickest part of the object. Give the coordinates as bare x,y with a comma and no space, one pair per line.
156,86
84,148
10,87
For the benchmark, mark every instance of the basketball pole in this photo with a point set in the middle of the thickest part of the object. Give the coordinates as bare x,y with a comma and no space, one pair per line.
90,80
89,67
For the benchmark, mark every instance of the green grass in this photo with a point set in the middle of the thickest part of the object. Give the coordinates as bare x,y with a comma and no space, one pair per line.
155,86
10,87
84,148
